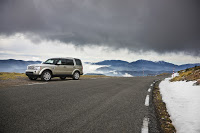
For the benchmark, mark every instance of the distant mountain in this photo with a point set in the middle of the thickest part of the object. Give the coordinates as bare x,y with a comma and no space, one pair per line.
136,68
112,62
152,66
12,65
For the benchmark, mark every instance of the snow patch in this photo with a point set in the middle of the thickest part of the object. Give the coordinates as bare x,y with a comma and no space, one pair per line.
175,75
183,103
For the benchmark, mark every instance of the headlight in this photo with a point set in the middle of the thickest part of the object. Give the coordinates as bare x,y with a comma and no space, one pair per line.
30,67
37,67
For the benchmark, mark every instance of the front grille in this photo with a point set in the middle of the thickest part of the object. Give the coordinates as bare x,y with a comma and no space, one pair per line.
31,67
29,73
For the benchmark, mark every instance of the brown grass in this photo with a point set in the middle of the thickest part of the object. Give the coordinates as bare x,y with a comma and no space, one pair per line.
8,75
161,112
188,74
162,74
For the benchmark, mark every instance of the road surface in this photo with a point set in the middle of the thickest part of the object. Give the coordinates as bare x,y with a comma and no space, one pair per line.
101,105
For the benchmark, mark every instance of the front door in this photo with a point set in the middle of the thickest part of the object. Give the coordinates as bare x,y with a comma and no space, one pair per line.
61,67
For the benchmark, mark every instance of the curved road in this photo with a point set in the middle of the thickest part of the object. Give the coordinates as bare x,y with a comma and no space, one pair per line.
103,105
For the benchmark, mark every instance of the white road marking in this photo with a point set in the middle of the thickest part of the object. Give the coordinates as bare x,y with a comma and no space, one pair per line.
149,90
30,84
147,101
151,84
37,83
16,85
145,125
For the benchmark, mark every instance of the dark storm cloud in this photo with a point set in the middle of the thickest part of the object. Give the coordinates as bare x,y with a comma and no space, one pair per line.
159,25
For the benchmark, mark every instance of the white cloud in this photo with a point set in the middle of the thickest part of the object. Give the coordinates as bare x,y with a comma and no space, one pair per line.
114,72
89,68
19,46
127,75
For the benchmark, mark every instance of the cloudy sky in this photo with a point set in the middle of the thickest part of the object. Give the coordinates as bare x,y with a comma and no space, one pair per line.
95,30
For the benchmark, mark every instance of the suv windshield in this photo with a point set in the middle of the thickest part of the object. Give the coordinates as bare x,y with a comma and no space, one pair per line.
51,61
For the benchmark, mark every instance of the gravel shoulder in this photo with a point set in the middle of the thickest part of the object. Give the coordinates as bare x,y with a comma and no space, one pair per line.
17,79
163,117
15,82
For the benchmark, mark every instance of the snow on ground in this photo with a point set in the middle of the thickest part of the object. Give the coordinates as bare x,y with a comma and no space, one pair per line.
183,103
175,74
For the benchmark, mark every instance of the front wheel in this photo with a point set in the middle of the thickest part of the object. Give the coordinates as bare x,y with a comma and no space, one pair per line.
76,75
46,76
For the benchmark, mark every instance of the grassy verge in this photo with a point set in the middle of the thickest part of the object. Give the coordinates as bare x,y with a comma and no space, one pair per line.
161,111
7,75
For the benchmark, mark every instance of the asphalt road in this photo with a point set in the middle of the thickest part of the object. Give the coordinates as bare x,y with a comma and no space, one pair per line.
105,105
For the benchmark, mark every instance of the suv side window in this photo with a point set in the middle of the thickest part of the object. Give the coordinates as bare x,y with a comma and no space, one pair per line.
69,62
78,62
51,61
62,62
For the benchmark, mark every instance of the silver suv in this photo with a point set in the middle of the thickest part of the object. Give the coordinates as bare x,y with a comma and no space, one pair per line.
56,67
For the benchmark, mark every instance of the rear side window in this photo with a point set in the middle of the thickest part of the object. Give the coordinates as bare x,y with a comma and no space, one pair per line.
69,62
78,62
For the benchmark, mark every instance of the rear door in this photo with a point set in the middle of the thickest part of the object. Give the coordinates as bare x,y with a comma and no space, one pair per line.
79,65
69,66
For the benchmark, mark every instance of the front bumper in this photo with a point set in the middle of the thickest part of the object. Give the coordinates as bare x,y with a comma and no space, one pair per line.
32,72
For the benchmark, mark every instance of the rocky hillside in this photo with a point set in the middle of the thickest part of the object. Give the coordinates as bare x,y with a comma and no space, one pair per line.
189,74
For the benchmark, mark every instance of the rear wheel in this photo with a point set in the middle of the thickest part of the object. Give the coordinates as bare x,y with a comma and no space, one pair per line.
46,76
62,78
76,75
32,78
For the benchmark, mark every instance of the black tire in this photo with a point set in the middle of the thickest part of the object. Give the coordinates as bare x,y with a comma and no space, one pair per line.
32,78
46,76
76,75
62,78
